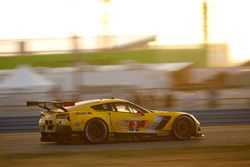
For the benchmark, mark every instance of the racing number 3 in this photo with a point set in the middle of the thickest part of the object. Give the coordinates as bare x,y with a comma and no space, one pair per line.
138,124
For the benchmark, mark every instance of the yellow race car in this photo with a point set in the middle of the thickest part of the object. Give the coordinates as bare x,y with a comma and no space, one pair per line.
98,120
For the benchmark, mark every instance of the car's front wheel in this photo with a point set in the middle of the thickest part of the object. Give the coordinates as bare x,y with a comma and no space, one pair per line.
183,128
96,131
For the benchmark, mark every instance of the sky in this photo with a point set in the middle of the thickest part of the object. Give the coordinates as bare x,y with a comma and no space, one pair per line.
177,22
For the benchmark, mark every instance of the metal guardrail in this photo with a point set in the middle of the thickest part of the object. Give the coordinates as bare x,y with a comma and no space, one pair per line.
206,117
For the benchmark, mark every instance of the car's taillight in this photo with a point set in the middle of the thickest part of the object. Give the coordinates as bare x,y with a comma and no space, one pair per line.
63,116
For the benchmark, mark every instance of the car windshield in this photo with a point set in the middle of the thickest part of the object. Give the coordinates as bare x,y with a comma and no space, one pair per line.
140,108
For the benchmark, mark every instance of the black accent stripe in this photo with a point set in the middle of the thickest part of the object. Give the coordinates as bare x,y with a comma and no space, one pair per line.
163,122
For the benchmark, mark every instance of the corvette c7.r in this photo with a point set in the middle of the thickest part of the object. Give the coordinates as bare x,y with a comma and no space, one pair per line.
98,120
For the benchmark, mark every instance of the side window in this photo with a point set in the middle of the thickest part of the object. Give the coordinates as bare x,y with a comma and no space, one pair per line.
134,109
122,107
102,107
128,107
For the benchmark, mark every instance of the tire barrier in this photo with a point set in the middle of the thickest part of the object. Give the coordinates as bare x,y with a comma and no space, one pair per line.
206,117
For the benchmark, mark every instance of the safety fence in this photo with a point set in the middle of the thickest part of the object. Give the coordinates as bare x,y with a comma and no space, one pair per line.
20,123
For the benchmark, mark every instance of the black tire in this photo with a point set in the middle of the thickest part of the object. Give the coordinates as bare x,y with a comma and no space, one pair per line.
183,128
96,131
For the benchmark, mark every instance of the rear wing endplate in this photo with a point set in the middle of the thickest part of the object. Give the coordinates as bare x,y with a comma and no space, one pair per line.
56,104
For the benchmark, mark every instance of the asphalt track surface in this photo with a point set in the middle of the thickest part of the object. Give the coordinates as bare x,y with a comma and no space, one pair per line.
214,136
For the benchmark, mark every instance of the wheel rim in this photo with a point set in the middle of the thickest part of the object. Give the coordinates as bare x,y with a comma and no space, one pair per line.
183,128
96,131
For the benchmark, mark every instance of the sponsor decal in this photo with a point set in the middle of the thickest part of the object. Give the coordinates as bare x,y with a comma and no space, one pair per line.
138,124
135,125
131,125
122,124
83,113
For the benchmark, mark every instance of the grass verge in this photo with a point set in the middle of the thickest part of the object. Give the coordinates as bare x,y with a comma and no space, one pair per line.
197,56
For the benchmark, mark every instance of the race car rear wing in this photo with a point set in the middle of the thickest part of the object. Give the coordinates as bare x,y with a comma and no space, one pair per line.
56,104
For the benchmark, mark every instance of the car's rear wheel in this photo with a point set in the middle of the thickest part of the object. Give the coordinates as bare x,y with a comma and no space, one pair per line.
183,128
96,131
